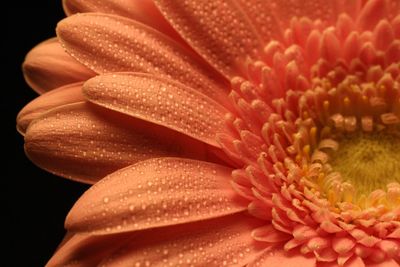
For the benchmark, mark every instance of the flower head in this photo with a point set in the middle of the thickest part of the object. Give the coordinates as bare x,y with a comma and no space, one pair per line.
294,162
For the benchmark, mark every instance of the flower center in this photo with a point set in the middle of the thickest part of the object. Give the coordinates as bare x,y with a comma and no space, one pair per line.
348,139
368,161
316,133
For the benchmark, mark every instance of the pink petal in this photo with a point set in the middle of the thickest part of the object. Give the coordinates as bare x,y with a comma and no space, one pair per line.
386,263
281,258
392,54
71,93
269,234
84,142
47,66
383,35
372,12
218,30
330,47
395,233
261,15
132,46
286,10
154,193
330,227
224,241
143,11
342,245
350,7
355,261
159,101
82,250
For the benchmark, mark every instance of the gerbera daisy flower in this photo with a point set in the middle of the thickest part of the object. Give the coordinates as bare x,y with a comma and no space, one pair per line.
222,133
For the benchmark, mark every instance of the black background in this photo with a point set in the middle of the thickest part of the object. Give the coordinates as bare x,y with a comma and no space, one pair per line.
36,202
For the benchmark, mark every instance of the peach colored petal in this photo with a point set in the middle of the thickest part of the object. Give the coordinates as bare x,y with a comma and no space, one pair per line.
132,46
154,193
219,30
81,250
143,11
47,66
219,242
71,93
279,258
159,101
85,142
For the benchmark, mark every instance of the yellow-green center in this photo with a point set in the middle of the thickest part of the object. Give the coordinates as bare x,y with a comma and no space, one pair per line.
369,161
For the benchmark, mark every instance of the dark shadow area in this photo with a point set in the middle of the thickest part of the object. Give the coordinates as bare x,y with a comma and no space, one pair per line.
36,202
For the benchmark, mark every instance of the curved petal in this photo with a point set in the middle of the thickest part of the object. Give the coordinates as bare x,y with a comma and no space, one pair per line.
351,8
224,241
219,241
47,66
84,142
154,193
68,94
371,13
277,258
132,46
159,101
143,11
218,30
82,250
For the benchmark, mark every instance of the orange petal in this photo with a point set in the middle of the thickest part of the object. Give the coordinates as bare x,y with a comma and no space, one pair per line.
47,66
218,30
280,258
224,241
143,11
159,101
85,142
154,193
84,250
132,46
71,93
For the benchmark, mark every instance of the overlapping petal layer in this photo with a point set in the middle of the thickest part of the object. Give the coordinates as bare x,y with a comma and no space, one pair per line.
217,242
143,11
68,94
47,67
220,31
85,143
160,101
132,46
291,105
154,193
